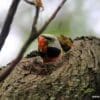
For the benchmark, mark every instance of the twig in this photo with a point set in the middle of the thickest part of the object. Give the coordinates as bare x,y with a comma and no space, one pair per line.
36,17
8,22
29,2
19,57
34,34
36,3
16,61
52,17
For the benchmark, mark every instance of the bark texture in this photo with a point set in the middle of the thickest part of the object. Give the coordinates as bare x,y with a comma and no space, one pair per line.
76,77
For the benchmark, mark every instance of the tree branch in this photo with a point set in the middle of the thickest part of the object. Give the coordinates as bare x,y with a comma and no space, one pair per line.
36,17
8,22
34,34
77,77
29,2
52,17
20,55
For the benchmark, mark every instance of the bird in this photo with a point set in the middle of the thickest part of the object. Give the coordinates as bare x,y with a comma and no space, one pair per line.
49,48
49,53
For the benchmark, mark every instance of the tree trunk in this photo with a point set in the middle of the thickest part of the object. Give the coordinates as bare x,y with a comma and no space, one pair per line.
76,77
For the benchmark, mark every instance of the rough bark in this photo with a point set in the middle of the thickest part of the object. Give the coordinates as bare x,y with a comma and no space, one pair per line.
76,77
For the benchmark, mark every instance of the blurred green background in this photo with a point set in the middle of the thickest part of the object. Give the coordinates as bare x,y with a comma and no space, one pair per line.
76,18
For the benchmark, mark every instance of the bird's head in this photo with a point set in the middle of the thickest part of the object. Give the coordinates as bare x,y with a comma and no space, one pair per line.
47,40
42,44
49,48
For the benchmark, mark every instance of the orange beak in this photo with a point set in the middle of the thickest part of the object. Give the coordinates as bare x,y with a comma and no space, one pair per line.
42,44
